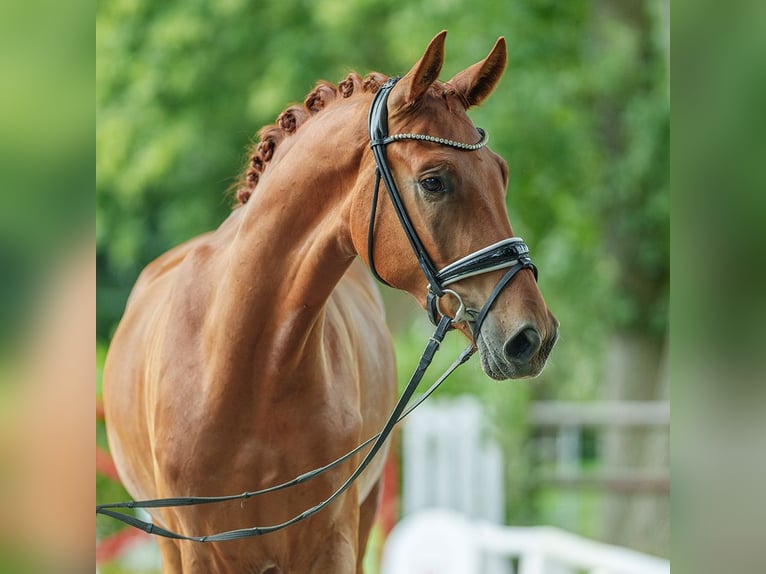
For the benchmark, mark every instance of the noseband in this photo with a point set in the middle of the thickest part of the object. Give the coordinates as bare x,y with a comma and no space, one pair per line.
510,253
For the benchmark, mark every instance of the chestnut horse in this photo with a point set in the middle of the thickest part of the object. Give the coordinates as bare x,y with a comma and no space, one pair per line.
258,351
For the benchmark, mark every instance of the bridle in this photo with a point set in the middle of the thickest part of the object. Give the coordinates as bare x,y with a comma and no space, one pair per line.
511,253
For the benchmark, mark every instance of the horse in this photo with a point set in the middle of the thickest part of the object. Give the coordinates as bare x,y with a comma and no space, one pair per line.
257,351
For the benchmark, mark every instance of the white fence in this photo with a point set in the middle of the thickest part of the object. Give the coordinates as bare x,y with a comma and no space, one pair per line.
448,461
453,473
569,419
445,542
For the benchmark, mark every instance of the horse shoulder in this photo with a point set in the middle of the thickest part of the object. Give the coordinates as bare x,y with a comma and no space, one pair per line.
169,291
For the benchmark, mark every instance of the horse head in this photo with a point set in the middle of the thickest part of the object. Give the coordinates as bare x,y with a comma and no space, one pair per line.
452,190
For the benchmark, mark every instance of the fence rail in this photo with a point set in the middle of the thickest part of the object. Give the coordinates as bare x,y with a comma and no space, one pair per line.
602,413
447,542
567,421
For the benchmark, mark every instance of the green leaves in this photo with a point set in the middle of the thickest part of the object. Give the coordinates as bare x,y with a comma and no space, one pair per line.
581,116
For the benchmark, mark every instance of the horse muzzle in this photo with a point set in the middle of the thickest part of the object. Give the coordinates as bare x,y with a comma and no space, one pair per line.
523,354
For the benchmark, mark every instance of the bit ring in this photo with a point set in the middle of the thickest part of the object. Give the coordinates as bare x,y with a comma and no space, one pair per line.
460,313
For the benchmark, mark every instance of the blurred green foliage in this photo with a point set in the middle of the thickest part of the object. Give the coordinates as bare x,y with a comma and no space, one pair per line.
581,116
46,151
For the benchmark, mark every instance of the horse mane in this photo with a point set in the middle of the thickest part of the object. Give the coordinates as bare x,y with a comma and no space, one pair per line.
290,120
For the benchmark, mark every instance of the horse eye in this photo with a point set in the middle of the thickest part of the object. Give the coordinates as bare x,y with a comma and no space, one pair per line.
432,184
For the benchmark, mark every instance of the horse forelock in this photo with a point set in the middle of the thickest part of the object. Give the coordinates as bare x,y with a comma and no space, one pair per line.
289,122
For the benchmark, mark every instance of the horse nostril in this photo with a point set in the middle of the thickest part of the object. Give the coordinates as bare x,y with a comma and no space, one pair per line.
523,345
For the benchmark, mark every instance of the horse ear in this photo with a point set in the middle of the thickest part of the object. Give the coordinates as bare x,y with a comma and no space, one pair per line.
477,82
426,71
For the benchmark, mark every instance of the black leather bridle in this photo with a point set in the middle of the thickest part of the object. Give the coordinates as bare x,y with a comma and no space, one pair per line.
509,253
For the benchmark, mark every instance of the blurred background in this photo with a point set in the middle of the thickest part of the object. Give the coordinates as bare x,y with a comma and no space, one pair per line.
582,118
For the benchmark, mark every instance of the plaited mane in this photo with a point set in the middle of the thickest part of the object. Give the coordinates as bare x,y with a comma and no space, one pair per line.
290,120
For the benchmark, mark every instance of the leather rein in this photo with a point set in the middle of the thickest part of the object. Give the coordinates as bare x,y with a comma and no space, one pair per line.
511,253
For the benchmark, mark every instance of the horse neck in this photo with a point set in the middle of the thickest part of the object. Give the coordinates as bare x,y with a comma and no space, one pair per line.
292,246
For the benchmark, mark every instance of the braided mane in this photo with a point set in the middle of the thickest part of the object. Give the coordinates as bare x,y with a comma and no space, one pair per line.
293,118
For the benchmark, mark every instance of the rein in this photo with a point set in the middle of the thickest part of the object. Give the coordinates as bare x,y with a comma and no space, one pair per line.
509,253
400,411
